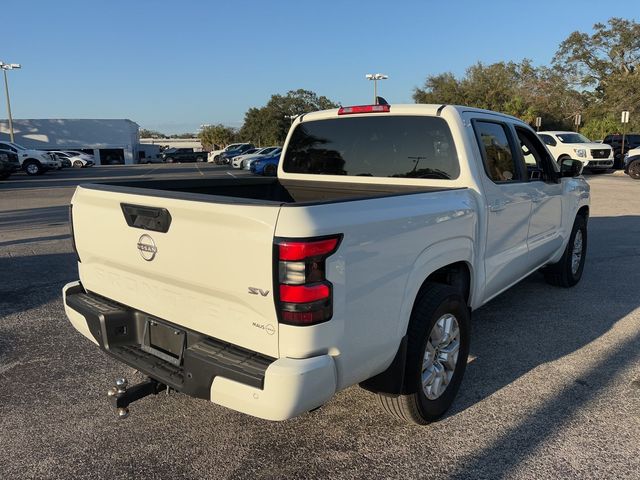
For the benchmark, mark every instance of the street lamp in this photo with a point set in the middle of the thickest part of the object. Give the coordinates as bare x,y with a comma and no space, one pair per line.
375,77
5,67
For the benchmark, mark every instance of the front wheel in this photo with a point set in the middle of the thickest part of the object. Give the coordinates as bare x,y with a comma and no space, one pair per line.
568,271
634,169
33,168
78,164
437,351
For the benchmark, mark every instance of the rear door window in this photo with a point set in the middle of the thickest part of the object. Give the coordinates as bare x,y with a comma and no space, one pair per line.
376,146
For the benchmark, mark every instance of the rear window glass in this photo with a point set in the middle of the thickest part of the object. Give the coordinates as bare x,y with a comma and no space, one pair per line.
384,146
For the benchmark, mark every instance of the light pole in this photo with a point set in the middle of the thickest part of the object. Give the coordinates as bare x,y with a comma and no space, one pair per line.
375,77
5,67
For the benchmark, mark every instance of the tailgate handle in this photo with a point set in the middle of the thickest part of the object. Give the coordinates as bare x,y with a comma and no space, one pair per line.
147,218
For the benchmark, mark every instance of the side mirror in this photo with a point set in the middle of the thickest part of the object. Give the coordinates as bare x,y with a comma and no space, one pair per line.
571,168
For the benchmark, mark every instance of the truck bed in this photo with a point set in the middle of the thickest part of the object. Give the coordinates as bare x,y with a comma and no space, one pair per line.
252,190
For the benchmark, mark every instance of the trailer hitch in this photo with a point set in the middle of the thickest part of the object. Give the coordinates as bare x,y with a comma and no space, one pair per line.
121,395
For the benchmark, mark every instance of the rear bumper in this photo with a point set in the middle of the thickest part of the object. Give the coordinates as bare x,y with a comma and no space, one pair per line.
246,381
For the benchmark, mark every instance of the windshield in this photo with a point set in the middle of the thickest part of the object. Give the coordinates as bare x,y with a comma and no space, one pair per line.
384,146
572,138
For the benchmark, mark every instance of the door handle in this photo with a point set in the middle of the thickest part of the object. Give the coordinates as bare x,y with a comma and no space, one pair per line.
498,206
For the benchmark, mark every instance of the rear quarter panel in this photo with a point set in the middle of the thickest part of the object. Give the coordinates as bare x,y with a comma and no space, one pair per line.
390,246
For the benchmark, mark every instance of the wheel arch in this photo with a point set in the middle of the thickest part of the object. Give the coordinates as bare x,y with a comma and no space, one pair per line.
449,263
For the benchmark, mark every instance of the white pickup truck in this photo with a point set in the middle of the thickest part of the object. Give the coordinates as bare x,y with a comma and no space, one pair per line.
360,263
33,162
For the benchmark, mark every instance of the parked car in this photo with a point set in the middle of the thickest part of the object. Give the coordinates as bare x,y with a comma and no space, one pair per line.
183,155
33,162
632,163
7,166
267,166
243,161
631,141
359,264
214,156
12,159
73,158
225,157
236,160
596,157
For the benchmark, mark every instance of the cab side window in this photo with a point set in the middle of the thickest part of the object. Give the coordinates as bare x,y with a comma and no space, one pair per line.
497,154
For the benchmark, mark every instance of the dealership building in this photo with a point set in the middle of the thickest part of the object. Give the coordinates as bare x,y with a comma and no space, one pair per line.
111,141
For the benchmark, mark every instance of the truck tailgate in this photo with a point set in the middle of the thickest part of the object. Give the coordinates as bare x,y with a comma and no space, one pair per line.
198,274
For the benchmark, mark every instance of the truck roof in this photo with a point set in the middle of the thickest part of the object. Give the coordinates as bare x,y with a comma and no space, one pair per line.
406,109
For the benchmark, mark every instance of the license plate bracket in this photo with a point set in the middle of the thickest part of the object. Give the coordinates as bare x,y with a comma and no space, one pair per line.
164,341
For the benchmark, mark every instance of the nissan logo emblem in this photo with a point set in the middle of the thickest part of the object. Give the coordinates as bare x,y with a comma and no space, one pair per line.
147,247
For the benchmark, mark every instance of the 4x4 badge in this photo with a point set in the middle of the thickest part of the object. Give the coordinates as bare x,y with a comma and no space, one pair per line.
147,247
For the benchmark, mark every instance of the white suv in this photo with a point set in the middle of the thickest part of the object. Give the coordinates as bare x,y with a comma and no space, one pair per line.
563,145
34,162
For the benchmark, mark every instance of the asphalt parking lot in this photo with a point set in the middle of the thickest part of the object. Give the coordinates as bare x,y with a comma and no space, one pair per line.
552,389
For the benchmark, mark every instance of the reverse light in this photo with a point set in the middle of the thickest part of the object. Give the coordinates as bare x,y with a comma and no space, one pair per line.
304,293
364,109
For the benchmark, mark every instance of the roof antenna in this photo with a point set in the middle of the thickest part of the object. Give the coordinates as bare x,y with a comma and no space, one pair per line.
381,101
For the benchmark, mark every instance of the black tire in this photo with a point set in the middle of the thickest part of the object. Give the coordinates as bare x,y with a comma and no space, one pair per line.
562,274
270,170
77,164
634,169
216,159
435,301
170,160
33,167
199,159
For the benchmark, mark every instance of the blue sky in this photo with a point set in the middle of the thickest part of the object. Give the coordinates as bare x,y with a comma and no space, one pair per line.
175,65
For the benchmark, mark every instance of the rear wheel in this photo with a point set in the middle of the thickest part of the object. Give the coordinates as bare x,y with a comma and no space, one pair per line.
77,164
170,160
199,159
568,271
270,170
634,169
33,167
437,351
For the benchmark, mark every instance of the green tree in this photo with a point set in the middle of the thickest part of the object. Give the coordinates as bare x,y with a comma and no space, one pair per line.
606,64
146,133
270,124
517,89
216,135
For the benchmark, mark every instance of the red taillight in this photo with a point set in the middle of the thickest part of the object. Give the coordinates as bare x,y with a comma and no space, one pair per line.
364,109
305,295
292,250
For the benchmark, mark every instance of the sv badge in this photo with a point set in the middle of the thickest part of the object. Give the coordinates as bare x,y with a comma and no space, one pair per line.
258,291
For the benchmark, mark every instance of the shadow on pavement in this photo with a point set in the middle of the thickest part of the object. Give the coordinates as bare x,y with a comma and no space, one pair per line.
31,281
534,323
29,218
